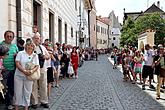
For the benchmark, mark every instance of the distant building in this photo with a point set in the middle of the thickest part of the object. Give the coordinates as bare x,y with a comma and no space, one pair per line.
102,29
153,8
92,32
114,30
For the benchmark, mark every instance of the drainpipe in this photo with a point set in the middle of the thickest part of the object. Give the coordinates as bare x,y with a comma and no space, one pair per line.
89,33
18,19
108,36
96,33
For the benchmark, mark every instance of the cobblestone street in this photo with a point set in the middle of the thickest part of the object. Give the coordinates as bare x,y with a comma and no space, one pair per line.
99,87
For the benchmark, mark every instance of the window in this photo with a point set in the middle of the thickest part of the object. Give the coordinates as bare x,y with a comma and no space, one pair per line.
114,38
71,32
98,28
76,5
94,27
113,45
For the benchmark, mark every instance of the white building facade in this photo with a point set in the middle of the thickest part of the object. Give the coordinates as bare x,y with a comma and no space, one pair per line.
115,37
114,30
58,20
102,34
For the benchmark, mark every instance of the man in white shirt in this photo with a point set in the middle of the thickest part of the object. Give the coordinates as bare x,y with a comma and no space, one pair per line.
42,82
147,68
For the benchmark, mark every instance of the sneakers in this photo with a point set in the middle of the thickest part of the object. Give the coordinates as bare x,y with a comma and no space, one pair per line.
151,87
57,85
143,87
10,107
45,105
34,106
157,97
133,82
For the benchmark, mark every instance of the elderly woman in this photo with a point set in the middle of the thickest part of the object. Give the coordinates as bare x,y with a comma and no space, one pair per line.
23,86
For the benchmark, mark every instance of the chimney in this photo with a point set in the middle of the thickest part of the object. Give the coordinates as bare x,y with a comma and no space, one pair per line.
158,4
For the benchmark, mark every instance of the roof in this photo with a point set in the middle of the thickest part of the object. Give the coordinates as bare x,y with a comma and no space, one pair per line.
104,20
153,8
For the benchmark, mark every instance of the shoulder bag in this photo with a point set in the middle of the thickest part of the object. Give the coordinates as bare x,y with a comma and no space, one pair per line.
30,66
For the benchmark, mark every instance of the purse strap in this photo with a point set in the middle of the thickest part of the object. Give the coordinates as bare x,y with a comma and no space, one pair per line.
40,49
32,58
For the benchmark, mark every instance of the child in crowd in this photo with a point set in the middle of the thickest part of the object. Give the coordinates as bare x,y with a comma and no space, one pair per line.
126,70
70,70
115,59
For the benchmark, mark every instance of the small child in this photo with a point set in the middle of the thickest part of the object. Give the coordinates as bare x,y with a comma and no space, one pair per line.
126,70
62,70
70,70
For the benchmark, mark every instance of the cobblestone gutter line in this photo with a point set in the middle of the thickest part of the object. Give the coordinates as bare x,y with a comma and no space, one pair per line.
117,100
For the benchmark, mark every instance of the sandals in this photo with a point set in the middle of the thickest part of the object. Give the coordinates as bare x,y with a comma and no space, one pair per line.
157,97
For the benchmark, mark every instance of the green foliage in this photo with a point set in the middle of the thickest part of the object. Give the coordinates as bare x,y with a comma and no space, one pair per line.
131,28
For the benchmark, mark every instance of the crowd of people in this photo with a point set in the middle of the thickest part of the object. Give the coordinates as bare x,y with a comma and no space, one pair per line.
53,62
138,65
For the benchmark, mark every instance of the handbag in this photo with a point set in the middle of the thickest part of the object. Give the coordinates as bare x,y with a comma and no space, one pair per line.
70,69
29,66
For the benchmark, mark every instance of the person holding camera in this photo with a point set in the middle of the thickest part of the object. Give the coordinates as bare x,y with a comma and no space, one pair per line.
9,67
41,84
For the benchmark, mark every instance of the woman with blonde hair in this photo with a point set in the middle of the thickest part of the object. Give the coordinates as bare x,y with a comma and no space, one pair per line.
138,59
22,85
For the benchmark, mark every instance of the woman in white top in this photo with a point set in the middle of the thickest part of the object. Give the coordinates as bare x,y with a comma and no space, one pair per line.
23,86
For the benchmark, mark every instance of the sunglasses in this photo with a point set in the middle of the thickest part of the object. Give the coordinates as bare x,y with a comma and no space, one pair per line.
9,36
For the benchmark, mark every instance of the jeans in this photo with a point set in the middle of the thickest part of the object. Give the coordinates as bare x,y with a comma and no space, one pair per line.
9,77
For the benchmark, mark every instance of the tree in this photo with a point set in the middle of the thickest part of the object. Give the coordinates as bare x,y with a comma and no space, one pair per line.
128,34
148,21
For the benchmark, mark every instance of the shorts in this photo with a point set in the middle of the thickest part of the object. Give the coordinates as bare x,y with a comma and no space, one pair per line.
126,72
147,71
50,77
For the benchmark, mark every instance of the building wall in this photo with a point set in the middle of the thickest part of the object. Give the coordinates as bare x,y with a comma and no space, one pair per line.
63,9
93,28
114,30
4,17
102,35
146,38
66,11
115,37
8,17
84,24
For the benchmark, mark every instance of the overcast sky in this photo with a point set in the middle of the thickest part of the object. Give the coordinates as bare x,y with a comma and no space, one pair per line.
104,7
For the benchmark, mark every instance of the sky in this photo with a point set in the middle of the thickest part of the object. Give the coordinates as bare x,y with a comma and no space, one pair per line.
104,7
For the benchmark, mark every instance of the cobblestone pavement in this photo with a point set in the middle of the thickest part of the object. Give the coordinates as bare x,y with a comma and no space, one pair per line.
99,87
